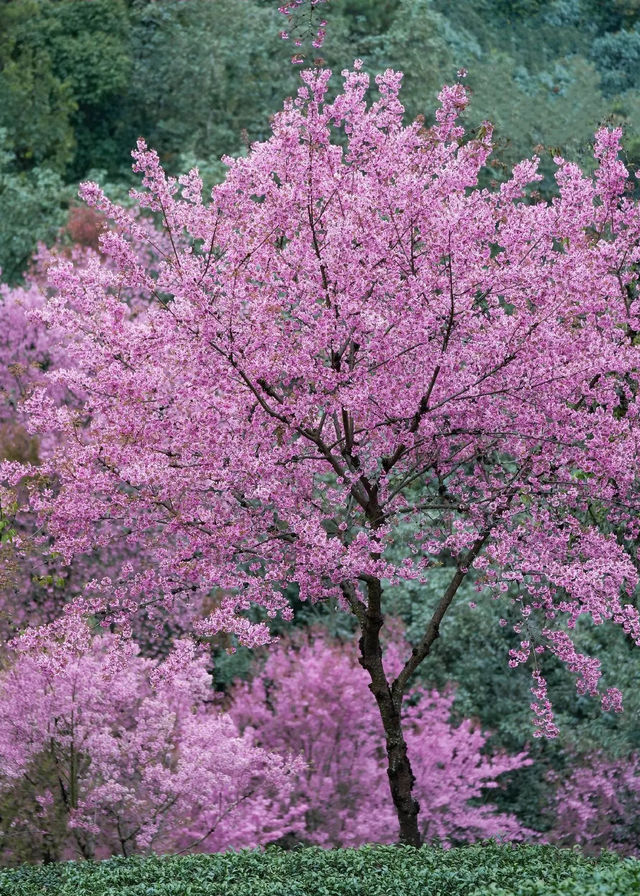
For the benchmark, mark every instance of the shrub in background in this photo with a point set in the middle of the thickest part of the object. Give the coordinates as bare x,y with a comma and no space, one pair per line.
109,753
311,698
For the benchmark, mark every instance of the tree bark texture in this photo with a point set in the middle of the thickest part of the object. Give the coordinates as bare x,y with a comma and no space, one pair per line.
401,777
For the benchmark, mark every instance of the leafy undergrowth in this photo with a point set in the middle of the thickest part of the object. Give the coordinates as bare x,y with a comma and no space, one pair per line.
486,870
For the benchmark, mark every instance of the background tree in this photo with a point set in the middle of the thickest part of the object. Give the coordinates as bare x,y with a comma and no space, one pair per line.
291,706
80,82
596,805
106,753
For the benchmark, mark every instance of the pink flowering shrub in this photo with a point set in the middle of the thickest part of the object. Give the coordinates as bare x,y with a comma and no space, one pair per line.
104,752
597,805
311,698
26,352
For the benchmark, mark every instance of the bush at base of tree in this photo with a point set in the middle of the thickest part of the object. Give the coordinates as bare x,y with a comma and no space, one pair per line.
597,805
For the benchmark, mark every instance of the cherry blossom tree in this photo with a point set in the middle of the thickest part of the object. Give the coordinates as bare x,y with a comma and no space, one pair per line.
349,338
291,707
104,752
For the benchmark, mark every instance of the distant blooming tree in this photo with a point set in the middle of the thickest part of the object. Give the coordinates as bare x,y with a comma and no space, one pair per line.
310,699
105,753
597,805
352,335
26,351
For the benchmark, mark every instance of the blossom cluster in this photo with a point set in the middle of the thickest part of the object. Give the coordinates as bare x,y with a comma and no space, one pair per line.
303,24
105,752
596,804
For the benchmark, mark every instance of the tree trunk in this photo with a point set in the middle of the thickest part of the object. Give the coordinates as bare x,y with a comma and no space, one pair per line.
401,778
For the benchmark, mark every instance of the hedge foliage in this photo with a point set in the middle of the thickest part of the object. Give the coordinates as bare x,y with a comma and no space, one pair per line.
486,870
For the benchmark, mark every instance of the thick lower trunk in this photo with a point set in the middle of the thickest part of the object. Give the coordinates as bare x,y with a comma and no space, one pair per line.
401,778
389,698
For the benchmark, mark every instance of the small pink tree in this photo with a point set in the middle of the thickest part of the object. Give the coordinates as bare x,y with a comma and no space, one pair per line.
351,336
597,804
26,351
103,752
310,699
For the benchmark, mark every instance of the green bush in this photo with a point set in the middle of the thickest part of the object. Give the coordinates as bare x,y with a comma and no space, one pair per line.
486,870
33,207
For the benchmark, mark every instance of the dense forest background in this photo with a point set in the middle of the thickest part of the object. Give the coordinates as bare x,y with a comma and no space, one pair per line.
81,81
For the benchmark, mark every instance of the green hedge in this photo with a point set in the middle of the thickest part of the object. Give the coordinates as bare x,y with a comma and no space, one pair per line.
484,870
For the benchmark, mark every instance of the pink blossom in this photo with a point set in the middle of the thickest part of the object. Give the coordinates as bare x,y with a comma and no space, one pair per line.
131,756
596,804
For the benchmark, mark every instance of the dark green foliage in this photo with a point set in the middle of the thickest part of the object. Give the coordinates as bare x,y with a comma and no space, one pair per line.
518,8
64,65
36,106
89,44
612,14
617,56
488,870
81,81
368,17
33,205
207,72
64,68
